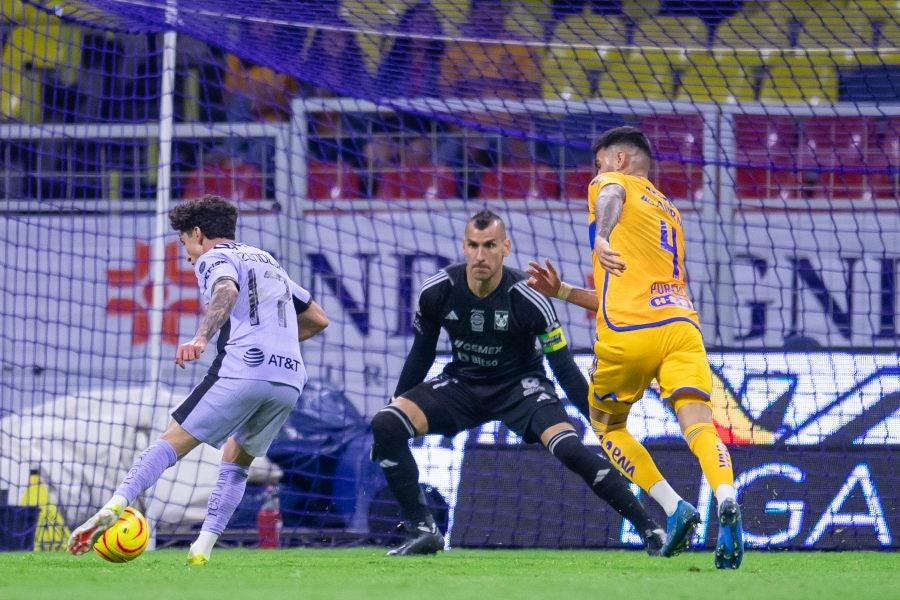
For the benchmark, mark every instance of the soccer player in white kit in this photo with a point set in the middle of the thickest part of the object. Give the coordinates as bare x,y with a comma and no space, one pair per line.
253,383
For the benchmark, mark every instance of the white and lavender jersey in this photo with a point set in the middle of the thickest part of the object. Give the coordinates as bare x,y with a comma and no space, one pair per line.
260,340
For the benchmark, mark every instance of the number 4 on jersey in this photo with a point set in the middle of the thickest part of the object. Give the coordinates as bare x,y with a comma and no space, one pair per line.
672,246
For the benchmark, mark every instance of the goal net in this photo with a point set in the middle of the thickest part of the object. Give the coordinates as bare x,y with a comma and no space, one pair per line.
357,138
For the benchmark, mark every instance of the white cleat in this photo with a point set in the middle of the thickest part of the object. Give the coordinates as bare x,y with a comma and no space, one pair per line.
83,538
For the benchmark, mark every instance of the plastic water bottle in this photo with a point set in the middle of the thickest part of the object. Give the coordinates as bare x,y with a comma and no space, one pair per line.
268,521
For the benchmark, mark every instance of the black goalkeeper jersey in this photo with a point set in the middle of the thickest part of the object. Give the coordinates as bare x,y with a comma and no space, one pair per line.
492,338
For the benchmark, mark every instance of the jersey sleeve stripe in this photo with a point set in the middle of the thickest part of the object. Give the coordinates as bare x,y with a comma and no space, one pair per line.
224,278
539,301
432,281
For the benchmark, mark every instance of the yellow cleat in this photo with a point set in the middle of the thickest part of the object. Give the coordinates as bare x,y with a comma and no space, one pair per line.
197,560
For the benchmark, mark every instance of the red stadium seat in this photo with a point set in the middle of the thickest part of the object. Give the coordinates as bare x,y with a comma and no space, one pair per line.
890,148
576,183
422,182
331,181
677,143
520,181
753,132
766,156
891,143
842,151
841,131
227,177
766,174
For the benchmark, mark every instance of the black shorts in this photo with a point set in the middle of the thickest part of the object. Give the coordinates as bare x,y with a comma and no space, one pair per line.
527,406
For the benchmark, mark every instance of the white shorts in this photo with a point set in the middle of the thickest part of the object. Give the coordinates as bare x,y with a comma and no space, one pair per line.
250,410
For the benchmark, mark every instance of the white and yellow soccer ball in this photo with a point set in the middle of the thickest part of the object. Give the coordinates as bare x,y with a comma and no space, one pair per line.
126,539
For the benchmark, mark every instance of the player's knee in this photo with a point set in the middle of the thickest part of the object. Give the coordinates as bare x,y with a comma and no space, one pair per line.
603,429
390,426
600,428
569,450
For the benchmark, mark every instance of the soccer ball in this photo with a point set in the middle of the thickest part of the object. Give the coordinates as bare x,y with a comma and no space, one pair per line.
126,539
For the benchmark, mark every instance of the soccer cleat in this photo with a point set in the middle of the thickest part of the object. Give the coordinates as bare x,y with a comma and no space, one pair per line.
424,538
730,543
680,527
654,539
83,538
196,560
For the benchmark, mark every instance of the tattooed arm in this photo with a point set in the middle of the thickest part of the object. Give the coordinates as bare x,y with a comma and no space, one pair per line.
224,296
607,211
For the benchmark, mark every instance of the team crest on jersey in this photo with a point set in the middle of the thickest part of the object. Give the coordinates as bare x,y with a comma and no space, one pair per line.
476,320
202,266
530,385
501,320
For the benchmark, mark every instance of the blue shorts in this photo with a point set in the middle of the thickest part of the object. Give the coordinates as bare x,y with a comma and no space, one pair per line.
250,410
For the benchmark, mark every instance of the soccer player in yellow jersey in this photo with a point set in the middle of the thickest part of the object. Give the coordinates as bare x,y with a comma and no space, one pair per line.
647,328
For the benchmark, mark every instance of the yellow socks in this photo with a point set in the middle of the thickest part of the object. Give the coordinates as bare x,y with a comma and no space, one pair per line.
629,456
715,461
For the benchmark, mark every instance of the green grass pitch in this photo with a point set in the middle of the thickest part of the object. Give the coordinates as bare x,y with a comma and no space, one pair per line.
358,573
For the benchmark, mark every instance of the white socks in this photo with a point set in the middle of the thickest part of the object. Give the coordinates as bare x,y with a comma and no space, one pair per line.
725,492
663,493
204,544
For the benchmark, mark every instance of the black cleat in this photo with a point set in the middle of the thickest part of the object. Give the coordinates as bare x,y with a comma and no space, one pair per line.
654,540
424,538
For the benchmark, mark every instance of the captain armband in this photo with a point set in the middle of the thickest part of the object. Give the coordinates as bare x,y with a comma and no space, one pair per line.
552,340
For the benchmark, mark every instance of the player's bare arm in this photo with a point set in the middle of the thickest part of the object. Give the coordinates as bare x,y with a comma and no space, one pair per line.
311,321
608,209
224,296
546,280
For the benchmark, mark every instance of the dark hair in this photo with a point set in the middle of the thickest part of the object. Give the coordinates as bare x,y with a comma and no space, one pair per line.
215,217
631,136
483,219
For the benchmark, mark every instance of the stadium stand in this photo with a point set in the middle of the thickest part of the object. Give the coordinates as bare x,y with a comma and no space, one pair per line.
800,77
677,142
516,182
720,76
332,181
766,156
429,182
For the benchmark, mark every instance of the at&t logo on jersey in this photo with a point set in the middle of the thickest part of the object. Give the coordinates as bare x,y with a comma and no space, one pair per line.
254,357
285,362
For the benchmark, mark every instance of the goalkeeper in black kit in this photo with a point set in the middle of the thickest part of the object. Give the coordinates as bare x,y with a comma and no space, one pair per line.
493,320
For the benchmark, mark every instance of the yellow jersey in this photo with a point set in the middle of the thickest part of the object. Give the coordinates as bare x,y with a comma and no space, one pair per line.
652,290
